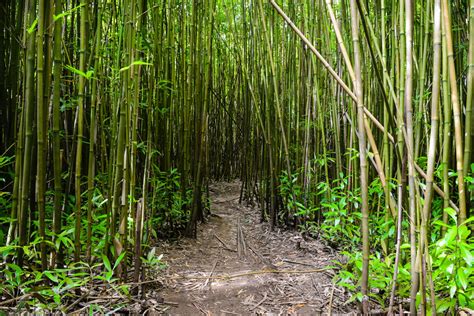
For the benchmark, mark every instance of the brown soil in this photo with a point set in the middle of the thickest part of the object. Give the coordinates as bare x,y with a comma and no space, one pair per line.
277,273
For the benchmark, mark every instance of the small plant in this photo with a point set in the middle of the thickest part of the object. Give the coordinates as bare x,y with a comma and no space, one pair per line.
170,207
453,260
152,263
341,225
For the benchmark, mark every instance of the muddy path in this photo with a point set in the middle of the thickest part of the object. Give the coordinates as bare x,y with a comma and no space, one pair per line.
237,266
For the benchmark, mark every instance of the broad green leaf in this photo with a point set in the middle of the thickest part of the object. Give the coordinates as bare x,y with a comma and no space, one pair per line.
470,219
463,232
452,213
119,259
108,275
51,276
444,305
151,254
440,223
462,279
452,290
106,263
15,267
57,299
450,235
450,268
466,254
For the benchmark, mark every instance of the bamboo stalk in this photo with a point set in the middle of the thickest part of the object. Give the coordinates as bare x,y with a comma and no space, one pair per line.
363,160
456,112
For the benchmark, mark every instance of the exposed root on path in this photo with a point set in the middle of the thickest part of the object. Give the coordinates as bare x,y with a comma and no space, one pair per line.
237,266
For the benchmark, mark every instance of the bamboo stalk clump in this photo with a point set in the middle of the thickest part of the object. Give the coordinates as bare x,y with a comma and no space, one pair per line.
118,115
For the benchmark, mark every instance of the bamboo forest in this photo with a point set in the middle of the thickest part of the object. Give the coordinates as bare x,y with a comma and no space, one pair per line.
237,157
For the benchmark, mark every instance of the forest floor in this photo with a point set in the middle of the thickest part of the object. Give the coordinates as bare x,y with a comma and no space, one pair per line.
276,273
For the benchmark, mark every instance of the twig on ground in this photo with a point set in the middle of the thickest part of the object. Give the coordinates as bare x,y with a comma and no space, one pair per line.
297,262
314,284
12,300
210,274
259,303
241,245
257,254
83,296
200,308
224,244
292,303
227,312
330,300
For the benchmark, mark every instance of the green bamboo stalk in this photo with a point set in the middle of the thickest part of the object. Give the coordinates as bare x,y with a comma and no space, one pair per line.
470,94
57,67
363,158
80,131
41,128
28,132
408,93
91,165
447,115
456,112
426,212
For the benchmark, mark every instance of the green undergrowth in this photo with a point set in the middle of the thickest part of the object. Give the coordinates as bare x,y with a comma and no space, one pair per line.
27,288
332,212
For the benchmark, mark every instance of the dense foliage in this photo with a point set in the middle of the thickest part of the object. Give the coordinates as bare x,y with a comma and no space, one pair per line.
349,120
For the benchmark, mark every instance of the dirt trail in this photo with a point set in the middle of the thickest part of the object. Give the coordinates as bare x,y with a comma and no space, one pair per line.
269,278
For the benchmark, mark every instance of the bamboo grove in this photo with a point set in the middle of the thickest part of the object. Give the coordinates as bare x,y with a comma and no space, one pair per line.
122,112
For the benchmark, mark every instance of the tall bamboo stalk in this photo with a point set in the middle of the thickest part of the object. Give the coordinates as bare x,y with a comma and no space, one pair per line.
362,157
456,112
57,67
80,130
41,130
426,212
28,131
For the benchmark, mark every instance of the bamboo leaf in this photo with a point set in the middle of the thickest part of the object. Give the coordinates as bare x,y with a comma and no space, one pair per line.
135,63
51,276
32,28
119,259
66,13
75,70
87,75
106,263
